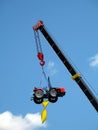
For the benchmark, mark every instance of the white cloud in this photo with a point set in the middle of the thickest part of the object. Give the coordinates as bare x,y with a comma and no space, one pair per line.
94,61
8,121
51,68
50,64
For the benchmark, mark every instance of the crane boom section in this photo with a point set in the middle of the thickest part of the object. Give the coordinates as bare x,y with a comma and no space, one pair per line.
75,76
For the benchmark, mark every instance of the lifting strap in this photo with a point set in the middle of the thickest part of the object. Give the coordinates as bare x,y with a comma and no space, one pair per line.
43,76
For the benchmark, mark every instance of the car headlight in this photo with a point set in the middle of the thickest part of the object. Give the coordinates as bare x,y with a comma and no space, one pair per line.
39,93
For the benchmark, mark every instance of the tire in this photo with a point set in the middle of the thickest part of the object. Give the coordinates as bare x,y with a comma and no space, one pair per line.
53,92
38,100
53,95
53,99
39,94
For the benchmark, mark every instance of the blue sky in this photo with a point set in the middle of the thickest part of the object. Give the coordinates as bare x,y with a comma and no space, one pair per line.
74,26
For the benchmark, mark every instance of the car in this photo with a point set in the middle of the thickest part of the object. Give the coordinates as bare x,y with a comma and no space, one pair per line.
39,94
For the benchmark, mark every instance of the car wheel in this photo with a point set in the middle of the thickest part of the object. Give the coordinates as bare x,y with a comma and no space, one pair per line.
53,99
39,94
38,100
53,92
53,96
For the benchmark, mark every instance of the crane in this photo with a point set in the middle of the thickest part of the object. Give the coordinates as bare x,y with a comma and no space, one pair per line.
75,75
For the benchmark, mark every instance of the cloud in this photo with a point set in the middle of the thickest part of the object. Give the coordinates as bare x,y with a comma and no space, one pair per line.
51,68
94,61
8,121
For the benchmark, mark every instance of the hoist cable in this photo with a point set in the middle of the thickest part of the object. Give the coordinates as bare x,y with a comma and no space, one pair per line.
37,40
44,74
35,35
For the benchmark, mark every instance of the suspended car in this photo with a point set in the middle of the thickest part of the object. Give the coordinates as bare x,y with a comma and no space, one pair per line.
52,94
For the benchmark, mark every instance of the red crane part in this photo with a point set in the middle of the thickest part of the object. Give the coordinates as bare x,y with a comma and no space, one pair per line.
41,58
39,23
42,63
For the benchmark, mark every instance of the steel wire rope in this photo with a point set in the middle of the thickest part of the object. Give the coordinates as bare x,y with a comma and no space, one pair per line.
37,41
43,75
35,35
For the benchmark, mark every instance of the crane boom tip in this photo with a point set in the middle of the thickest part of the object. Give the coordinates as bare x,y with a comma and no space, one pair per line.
37,25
